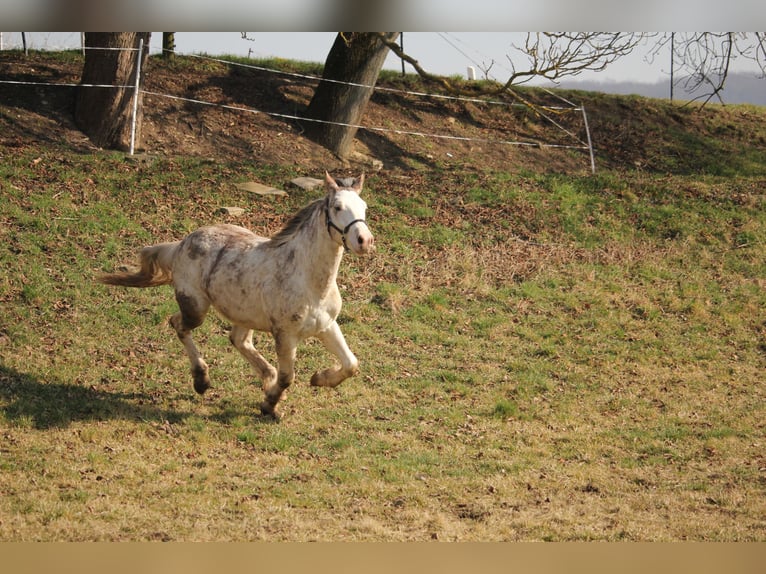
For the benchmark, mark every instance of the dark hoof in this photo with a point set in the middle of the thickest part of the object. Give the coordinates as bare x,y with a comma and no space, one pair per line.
201,381
269,410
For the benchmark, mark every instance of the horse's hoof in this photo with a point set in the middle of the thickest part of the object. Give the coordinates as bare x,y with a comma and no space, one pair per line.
268,410
201,381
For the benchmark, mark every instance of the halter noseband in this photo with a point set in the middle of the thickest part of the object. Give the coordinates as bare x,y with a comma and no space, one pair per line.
332,225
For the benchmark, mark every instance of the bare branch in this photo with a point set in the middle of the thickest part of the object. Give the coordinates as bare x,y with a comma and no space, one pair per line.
704,59
549,55
555,55
427,76
760,51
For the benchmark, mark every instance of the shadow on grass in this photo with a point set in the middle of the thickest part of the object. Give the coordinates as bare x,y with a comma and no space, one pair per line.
28,401
25,399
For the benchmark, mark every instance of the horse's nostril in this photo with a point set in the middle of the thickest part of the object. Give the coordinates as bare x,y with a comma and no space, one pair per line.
361,240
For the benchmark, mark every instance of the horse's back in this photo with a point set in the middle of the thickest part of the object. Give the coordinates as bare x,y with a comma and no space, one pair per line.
208,239
206,249
223,264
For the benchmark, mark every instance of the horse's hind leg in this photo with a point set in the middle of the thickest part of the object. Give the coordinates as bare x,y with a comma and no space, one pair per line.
333,340
286,346
191,315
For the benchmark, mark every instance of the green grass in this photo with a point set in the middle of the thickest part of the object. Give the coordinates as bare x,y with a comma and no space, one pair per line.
544,357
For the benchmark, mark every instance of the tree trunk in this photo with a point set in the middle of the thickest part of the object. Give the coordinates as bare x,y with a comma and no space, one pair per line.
355,58
105,114
168,44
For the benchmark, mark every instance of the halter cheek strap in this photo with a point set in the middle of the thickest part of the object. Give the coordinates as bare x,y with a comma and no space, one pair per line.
344,231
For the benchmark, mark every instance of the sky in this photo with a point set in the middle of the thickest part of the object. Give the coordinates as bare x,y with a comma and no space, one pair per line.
445,53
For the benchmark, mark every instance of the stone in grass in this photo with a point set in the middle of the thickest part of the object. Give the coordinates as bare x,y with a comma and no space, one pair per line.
260,189
310,183
307,183
234,211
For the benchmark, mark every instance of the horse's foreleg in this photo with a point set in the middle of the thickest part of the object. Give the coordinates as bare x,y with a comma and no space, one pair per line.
286,346
242,339
333,340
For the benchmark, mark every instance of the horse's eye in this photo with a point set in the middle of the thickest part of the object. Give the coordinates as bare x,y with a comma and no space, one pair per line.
337,208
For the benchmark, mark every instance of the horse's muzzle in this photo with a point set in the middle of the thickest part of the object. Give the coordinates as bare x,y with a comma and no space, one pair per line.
361,242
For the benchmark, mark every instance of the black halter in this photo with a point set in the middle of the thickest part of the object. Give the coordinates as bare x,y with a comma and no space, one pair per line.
332,225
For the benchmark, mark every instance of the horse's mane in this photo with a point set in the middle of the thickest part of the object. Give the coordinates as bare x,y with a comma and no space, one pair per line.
297,222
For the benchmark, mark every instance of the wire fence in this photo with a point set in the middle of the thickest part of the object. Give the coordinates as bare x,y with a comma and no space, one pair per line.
576,142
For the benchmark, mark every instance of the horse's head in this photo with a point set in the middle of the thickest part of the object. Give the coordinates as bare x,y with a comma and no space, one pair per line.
345,213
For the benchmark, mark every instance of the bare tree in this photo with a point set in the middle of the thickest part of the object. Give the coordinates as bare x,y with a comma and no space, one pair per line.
702,60
104,113
355,60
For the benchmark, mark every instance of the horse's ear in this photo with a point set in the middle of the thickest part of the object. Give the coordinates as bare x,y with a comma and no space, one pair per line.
358,183
329,182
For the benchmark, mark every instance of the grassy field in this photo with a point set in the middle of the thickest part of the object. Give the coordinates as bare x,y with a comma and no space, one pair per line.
544,357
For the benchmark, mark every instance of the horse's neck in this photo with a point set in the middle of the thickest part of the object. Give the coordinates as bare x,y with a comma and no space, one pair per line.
321,255
325,269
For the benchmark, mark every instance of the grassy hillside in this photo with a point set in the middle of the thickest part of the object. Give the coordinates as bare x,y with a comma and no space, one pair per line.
545,356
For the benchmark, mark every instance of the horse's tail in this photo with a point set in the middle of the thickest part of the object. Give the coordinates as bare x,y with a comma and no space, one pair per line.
156,268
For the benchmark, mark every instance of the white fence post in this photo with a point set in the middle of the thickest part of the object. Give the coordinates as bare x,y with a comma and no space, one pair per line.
135,97
590,144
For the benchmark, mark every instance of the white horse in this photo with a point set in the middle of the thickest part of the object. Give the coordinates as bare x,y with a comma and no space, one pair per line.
285,285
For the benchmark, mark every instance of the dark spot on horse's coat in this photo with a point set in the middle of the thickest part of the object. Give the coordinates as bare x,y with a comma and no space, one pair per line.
239,271
194,247
214,266
233,239
189,311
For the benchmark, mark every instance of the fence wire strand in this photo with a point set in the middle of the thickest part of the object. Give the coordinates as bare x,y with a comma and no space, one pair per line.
293,117
360,126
